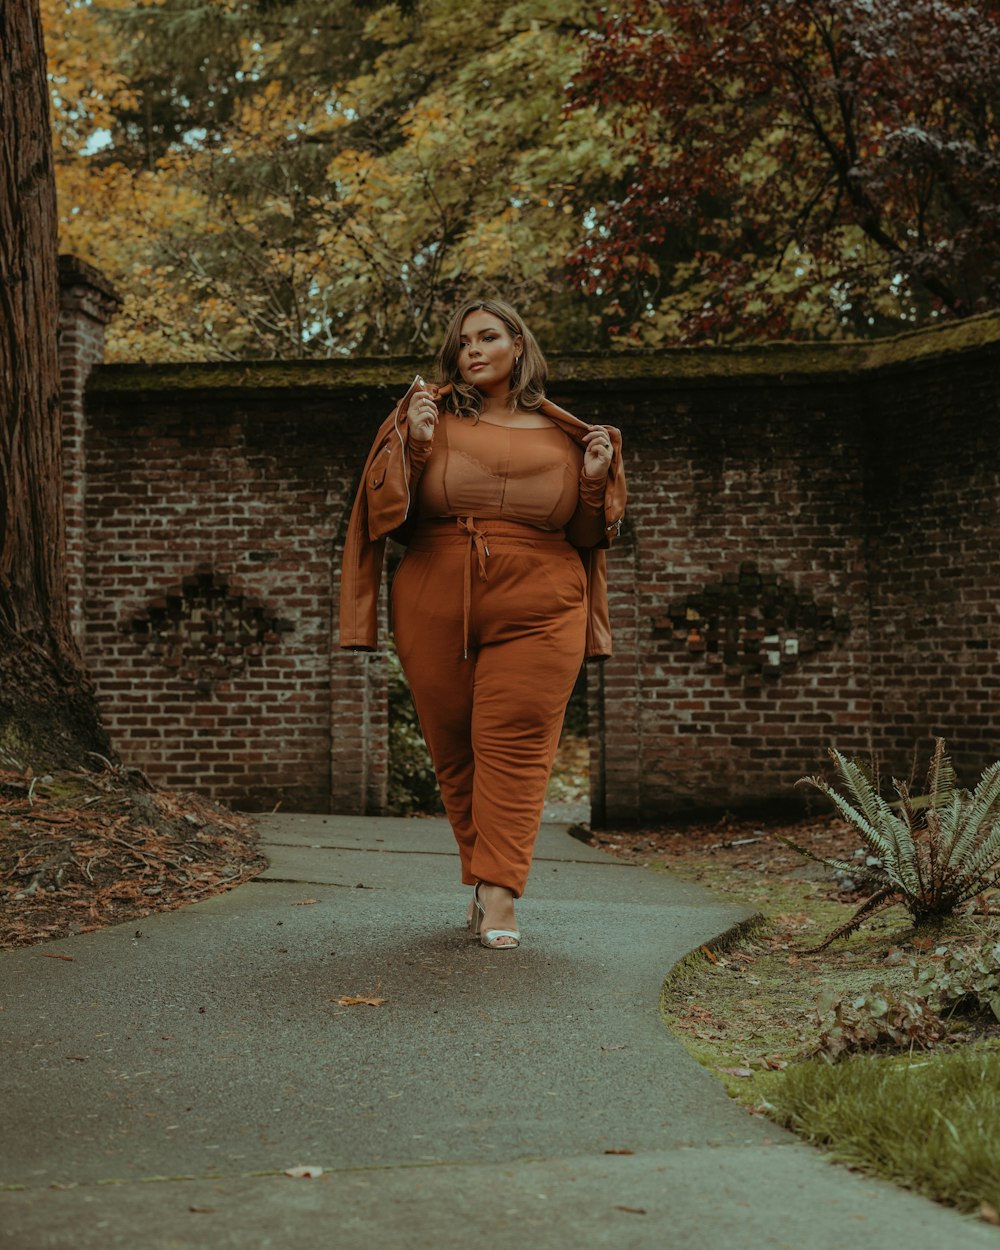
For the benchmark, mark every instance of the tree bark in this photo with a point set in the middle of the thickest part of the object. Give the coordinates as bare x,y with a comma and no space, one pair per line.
46,708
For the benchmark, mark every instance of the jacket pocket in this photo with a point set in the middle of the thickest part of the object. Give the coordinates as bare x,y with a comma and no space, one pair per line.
379,469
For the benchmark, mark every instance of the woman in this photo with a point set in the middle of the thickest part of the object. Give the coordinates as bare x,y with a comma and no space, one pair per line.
505,503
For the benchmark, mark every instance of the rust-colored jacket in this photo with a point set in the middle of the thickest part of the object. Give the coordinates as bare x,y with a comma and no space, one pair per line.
383,508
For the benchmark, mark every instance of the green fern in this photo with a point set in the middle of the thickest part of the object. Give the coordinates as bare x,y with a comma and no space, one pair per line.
936,851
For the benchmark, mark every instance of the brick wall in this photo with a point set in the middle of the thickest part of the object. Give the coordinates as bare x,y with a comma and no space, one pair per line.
809,558
87,304
742,595
934,558
211,530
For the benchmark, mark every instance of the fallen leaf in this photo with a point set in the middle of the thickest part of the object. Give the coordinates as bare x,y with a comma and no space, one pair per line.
619,1152
616,1046
306,902
304,1172
70,959
708,954
738,1071
201,1210
988,1213
352,1000
632,1210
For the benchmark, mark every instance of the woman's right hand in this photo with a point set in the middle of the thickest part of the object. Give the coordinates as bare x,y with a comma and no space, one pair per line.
422,416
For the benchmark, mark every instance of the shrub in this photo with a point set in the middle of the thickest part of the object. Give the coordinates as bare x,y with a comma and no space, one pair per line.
967,981
879,1017
412,784
933,852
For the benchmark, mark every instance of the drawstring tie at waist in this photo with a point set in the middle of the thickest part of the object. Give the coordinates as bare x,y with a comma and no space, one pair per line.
440,533
477,540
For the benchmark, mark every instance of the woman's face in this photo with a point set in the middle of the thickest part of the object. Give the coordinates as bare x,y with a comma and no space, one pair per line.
487,353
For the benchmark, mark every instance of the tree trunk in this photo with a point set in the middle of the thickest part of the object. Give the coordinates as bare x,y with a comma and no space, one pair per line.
47,712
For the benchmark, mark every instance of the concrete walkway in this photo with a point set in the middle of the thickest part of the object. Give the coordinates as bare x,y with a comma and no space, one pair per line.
156,1087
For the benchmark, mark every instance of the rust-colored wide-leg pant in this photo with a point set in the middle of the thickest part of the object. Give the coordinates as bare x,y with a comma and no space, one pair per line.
490,625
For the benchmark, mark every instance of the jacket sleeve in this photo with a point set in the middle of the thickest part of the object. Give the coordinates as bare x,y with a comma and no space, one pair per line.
615,490
360,580
383,497
598,519
392,474
586,527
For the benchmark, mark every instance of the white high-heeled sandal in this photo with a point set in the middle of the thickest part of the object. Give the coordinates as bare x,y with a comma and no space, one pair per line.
489,937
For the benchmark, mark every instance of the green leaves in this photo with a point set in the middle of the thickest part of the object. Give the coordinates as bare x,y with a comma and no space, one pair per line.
964,980
935,852
347,172
878,1017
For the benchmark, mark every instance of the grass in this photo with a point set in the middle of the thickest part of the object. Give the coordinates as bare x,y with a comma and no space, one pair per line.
931,1124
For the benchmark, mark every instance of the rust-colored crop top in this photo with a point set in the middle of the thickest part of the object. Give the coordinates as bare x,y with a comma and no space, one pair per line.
514,473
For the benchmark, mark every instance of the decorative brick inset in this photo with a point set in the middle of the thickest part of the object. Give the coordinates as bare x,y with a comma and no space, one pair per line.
205,631
753,624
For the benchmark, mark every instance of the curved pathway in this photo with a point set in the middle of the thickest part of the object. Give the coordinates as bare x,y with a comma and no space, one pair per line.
159,1081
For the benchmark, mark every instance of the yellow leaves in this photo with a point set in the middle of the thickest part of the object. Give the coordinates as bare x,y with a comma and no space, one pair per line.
280,206
388,26
85,88
273,118
341,192
419,121
438,119
487,250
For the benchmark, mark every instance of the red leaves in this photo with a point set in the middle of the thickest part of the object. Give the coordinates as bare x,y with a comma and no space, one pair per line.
832,162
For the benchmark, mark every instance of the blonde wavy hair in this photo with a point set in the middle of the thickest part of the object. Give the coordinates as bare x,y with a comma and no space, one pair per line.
527,381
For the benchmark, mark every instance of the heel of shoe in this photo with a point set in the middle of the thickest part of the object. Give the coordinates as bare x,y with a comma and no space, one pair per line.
475,921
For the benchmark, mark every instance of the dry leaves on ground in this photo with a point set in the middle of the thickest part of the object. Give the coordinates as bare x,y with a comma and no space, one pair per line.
80,851
741,848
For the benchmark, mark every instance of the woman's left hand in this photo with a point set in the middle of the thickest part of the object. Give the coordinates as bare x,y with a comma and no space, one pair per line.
597,452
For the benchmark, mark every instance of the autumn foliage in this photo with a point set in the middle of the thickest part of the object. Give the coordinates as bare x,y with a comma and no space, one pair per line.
796,166
322,177
300,178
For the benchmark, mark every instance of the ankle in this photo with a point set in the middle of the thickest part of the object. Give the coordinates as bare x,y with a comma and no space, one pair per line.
495,894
